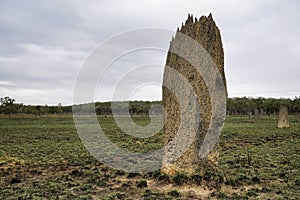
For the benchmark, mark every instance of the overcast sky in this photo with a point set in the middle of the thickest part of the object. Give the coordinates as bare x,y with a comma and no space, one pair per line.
44,43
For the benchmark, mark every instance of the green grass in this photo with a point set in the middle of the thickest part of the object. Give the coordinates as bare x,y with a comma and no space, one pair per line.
259,158
44,157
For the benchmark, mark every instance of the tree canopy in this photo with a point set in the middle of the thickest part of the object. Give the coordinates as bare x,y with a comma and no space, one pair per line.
236,105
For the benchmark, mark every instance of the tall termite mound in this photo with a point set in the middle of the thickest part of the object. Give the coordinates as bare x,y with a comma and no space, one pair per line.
205,32
283,120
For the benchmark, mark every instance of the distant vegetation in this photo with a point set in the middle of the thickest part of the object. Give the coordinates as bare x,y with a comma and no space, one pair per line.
244,105
235,106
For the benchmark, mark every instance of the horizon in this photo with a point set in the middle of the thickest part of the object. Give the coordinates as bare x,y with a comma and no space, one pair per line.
249,97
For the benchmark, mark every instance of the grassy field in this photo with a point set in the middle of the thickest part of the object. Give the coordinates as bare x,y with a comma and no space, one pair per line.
43,158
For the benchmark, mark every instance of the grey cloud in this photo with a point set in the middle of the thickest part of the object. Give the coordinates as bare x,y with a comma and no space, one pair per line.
44,43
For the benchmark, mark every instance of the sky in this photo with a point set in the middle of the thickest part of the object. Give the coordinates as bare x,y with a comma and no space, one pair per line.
44,44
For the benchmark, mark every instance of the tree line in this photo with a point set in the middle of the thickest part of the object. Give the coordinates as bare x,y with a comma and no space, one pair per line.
8,106
261,105
235,106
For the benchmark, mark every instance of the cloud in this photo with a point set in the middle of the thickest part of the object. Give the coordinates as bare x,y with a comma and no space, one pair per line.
6,83
43,44
40,72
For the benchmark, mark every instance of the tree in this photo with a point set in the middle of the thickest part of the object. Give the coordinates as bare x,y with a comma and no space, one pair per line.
7,105
6,101
296,105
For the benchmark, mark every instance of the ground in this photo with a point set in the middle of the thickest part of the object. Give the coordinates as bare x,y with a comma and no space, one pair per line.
43,158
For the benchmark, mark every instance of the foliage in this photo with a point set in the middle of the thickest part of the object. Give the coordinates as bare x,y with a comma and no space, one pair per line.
235,106
7,105
244,105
